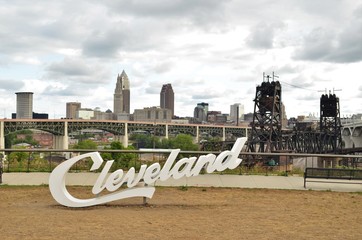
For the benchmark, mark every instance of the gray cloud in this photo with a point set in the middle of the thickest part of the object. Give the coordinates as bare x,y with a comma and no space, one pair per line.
77,70
309,96
104,44
263,34
76,47
332,44
202,13
206,95
153,90
11,85
71,90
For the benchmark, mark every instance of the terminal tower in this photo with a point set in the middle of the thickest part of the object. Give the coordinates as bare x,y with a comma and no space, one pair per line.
121,100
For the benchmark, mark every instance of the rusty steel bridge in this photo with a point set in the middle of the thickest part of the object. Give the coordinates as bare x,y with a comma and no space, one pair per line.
61,128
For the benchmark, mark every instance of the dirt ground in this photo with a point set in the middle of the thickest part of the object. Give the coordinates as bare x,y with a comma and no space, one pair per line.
184,213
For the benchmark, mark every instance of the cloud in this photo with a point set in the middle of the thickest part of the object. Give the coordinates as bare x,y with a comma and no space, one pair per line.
331,44
308,96
104,44
262,35
201,13
11,85
206,95
73,70
209,50
153,90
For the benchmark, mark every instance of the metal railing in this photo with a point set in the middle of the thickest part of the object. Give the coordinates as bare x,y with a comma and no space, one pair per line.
45,160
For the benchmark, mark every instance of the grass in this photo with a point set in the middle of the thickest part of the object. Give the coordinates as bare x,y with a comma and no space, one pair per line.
183,188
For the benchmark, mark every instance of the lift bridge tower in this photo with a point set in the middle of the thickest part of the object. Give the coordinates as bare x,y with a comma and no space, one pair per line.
330,123
266,132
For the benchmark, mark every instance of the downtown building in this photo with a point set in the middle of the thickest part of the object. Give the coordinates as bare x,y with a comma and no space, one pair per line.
72,109
237,113
153,114
24,107
200,112
121,97
167,98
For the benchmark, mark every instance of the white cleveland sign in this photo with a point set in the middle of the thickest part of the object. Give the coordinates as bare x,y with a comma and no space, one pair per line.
185,167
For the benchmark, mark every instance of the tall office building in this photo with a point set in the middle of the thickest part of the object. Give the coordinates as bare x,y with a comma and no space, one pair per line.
72,108
167,98
237,113
24,105
121,100
200,112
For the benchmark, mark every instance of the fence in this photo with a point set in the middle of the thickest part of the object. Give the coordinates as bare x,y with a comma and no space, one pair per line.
45,160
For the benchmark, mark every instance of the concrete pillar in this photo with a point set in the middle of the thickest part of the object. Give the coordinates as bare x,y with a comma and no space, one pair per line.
2,135
357,137
62,141
166,131
346,137
223,134
197,134
57,142
125,137
65,142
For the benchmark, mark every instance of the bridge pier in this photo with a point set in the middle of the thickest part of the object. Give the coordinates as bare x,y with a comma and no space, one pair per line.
125,136
352,136
2,135
223,134
61,141
197,138
166,131
347,137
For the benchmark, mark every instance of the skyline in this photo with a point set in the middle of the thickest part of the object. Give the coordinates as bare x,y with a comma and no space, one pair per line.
210,51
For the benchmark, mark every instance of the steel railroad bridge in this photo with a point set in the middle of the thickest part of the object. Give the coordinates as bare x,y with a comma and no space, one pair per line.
61,128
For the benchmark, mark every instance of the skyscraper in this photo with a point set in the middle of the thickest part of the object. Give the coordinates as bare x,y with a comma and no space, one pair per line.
24,105
72,108
167,98
237,113
200,112
121,100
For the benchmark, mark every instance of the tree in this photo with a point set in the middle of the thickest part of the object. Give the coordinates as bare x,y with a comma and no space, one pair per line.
122,160
143,140
85,144
183,142
9,139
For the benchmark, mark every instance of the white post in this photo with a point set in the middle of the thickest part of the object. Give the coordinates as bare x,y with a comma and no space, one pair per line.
65,137
223,134
125,137
2,135
166,131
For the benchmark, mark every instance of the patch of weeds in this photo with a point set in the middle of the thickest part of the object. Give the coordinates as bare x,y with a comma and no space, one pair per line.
284,174
184,188
204,190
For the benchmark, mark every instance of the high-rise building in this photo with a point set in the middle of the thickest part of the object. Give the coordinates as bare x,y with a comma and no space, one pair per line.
72,108
24,105
237,113
152,114
167,98
121,100
200,112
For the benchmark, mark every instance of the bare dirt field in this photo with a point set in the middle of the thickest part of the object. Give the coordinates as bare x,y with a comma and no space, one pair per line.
184,213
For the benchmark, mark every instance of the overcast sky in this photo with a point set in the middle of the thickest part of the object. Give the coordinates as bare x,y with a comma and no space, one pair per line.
211,51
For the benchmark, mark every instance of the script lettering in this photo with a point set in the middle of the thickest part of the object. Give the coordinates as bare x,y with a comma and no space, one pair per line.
185,167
